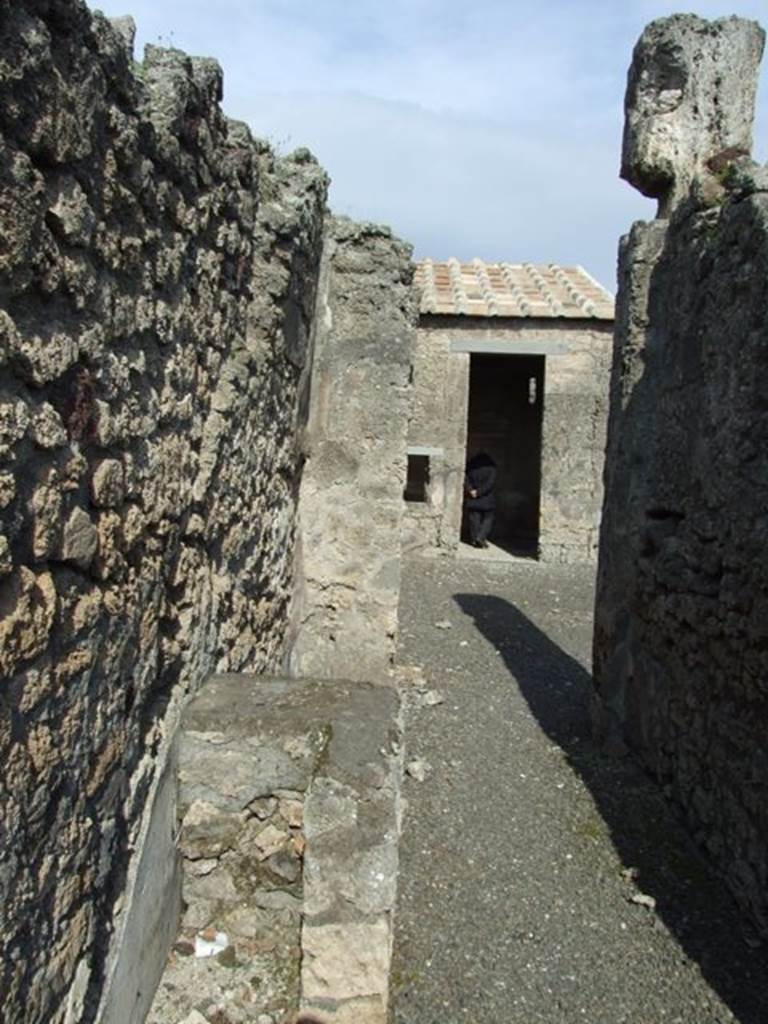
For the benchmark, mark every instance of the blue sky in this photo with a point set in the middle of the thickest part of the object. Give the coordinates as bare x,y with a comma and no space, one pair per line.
490,129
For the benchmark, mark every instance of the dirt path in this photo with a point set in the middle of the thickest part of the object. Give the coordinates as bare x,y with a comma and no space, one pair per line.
540,882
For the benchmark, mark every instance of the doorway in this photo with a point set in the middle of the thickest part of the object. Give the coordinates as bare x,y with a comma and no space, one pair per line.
506,401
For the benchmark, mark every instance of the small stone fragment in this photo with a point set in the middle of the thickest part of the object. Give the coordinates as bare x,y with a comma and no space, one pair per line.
207,832
200,868
642,900
443,624
262,946
194,1017
227,957
284,864
107,487
70,215
432,698
80,539
7,489
299,844
410,676
418,769
269,841
6,559
293,812
263,808
47,428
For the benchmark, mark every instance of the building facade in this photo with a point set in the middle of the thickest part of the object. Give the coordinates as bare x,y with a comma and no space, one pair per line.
512,360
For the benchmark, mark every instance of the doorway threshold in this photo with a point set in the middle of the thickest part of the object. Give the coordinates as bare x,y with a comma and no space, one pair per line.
494,553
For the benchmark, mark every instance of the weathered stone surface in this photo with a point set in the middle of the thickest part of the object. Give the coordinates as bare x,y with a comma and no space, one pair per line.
680,624
158,269
27,609
150,922
107,488
312,867
351,505
207,831
346,962
80,539
690,104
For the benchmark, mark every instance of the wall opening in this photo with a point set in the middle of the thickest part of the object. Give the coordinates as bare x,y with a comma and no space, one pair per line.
506,401
417,480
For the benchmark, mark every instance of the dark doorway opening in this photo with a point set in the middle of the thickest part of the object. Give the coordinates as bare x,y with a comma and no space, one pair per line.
506,401
417,479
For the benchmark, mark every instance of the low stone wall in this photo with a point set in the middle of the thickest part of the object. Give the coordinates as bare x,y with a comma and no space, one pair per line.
681,637
351,504
157,278
289,810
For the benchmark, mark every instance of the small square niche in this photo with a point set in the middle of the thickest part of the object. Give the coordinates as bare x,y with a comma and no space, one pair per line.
417,480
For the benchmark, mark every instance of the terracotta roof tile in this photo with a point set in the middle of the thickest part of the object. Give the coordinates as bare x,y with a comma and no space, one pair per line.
511,289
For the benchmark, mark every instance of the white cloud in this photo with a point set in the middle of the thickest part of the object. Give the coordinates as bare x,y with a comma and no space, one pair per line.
489,129
460,185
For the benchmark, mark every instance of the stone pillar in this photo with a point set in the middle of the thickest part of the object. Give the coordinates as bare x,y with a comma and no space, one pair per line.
351,499
690,104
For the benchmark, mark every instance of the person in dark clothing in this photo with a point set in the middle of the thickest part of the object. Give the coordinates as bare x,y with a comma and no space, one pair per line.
480,500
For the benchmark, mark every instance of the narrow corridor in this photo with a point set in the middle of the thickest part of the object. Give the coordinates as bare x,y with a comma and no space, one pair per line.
541,882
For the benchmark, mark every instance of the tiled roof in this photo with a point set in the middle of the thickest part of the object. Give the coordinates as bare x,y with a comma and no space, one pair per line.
510,289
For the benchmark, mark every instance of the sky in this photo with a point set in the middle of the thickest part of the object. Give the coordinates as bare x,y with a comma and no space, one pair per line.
490,129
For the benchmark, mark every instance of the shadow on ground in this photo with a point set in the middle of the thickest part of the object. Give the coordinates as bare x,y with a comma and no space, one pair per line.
689,900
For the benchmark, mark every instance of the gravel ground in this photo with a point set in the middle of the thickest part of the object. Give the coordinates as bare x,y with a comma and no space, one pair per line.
525,852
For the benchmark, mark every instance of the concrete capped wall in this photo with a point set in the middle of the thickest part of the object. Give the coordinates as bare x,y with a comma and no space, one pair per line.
576,380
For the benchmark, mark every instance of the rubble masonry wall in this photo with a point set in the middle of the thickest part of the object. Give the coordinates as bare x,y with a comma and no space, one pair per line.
681,641
681,622
157,279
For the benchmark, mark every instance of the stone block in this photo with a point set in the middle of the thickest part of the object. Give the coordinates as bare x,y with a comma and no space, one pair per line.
80,539
690,98
346,961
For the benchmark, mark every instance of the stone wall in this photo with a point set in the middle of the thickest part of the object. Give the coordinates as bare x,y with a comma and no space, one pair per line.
681,640
438,425
574,416
157,278
291,811
351,505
